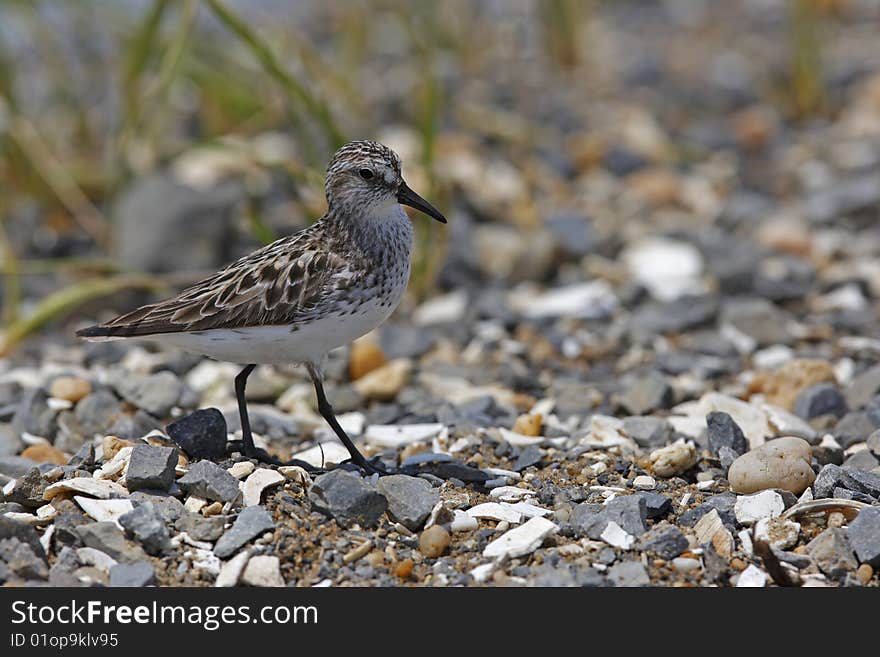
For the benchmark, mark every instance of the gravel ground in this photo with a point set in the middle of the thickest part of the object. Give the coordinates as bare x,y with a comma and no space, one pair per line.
654,361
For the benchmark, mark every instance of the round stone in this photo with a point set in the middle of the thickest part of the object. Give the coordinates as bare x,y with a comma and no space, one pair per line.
782,463
434,541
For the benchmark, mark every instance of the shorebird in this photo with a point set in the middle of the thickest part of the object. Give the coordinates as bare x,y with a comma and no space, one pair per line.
295,300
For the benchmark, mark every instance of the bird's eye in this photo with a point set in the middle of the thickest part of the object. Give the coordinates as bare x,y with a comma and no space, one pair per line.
366,174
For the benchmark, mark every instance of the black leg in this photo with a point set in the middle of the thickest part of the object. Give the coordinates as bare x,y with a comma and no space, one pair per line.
326,411
247,439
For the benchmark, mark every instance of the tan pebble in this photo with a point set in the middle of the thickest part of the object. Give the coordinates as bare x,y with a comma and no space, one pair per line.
865,573
376,558
404,569
786,383
358,552
383,383
738,564
212,509
43,453
528,424
836,519
434,541
365,356
673,459
111,445
782,463
801,549
71,388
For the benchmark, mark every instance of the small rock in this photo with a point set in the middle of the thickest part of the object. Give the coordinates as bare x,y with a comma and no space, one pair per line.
873,443
864,573
260,480
251,522
723,432
410,499
169,507
644,482
521,540
71,388
20,560
686,565
156,393
778,532
617,537
832,553
528,424
145,525
201,434
103,510
629,512
782,463
855,427
820,399
749,509
656,505
263,570
347,498
863,388
242,469
434,541
648,432
108,538
786,383
664,540
207,479
862,460
383,383
364,357
629,574
199,527
151,467
103,489
646,394
673,459
751,577
10,528
706,528
28,490
134,575
231,571
864,536
43,453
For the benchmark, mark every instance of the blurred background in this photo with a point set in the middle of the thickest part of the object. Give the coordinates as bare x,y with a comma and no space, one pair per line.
144,143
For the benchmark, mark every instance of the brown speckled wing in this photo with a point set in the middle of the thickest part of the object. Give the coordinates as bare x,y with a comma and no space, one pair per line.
284,283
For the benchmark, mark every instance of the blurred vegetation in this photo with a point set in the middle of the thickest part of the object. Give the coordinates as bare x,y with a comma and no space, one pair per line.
73,158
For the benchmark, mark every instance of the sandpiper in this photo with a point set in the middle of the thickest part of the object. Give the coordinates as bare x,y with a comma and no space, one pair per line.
304,295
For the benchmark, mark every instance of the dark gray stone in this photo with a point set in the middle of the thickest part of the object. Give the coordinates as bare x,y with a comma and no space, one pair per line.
202,434
168,506
647,431
151,467
629,512
829,477
28,490
832,553
676,316
84,457
132,575
15,466
864,536
863,388
251,522
25,533
146,526
33,415
656,504
207,479
820,399
664,540
723,431
108,538
757,318
66,529
628,574
587,520
21,561
410,499
645,394
527,457
97,412
854,427
862,460
347,498
156,393
199,527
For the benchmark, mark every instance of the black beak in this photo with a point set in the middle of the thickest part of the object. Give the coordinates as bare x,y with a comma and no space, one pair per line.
406,196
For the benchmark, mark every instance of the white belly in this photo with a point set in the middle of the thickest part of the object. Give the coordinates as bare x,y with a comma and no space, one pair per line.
280,344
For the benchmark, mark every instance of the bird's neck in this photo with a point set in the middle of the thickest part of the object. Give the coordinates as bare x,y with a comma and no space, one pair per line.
374,230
